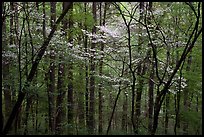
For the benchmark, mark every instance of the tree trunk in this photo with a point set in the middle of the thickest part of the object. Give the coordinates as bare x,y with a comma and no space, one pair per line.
60,113
60,97
44,22
81,110
186,101
81,95
51,75
87,68
100,107
5,73
70,102
151,99
141,72
92,78
124,114
166,114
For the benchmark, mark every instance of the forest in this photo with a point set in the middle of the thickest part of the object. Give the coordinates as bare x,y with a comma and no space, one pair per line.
101,68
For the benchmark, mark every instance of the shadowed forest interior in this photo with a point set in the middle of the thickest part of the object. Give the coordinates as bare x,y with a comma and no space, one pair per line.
101,68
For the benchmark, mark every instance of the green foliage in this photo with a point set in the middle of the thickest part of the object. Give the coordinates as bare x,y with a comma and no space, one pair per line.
176,21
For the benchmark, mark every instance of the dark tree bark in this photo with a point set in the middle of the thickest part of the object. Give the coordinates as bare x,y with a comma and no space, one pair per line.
60,97
151,82
81,96
60,113
70,100
91,125
81,104
177,99
177,103
140,72
166,125
186,102
51,75
5,73
151,99
124,114
100,107
44,22
86,69
167,101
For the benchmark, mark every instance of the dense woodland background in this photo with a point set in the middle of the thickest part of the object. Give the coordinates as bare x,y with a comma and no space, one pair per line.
101,68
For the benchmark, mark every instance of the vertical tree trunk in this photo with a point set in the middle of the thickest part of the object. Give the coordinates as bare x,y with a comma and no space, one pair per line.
100,107
60,97
151,83
166,114
44,22
81,95
5,73
92,78
5,70
81,111
124,114
51,75
87,68
28,99
140,71
100,100
151,99
19,43
61,84
168,95
70,102
186,101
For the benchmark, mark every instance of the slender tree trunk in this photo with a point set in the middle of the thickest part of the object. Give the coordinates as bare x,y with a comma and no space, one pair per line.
60,113
166,125
177,103
92,78
44,22
138,99
51,75
186,101
100,107
140,71
151,83
28,104
60,97
124,114
70,114
151,99
28,100
81,110
81,95
5,73
100,117
86,69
